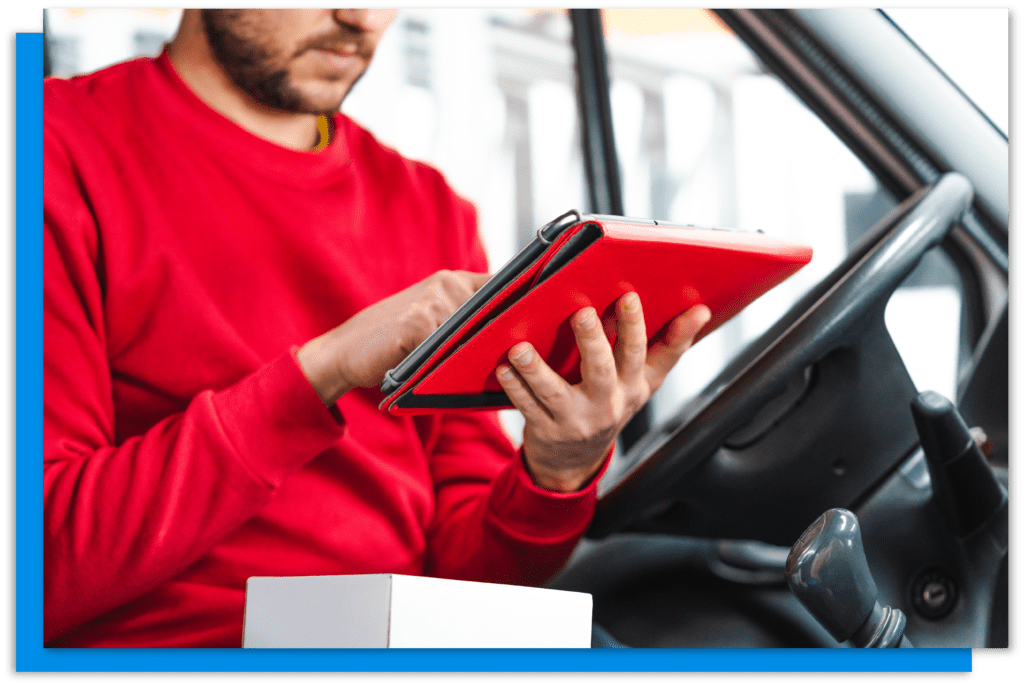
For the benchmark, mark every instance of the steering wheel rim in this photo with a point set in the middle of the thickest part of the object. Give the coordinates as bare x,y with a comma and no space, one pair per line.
858,288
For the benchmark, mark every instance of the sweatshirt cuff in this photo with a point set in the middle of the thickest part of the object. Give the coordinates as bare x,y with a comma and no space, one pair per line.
526,511
275,421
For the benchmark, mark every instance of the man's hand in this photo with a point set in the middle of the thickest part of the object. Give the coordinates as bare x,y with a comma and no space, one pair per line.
570,429
359,352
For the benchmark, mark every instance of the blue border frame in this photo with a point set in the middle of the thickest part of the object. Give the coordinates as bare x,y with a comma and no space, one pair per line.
30,654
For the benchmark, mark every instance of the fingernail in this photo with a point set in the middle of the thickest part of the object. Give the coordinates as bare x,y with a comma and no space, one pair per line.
630,302
523,357
504,373
587,321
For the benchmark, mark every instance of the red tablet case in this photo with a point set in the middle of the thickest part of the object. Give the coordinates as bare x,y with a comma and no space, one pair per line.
671,267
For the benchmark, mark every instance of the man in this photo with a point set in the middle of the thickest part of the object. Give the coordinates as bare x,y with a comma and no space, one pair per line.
221,304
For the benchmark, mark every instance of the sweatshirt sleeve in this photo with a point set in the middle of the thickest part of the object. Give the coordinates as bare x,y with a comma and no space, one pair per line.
119,519
491,522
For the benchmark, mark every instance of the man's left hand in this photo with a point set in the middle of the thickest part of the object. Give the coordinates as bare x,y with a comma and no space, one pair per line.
571,428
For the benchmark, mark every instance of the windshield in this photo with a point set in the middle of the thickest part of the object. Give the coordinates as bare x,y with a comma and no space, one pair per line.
977,60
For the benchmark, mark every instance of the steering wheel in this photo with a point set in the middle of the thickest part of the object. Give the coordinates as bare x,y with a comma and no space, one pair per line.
811,416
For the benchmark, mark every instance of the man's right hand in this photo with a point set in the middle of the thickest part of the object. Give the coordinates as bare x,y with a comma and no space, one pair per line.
359,352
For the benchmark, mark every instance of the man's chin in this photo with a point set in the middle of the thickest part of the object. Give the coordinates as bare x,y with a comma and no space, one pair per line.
324,98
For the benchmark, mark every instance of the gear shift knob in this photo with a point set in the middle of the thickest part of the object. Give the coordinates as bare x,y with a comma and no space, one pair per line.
829,574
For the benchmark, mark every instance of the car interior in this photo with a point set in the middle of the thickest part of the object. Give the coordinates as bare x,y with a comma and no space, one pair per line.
799,485
811,495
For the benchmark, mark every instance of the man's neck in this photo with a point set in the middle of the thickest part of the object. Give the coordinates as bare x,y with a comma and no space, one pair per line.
193,59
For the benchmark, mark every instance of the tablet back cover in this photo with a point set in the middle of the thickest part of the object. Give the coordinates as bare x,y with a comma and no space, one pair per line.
672,268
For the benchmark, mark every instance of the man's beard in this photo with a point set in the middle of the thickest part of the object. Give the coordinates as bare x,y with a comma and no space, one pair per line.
256,67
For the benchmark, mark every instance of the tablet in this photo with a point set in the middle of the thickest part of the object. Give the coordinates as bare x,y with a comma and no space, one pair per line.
580,260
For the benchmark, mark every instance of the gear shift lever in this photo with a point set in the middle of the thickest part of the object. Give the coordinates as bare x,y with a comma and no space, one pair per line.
828,573
964,487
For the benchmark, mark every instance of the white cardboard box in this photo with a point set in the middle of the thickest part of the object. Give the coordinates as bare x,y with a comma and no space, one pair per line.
398,611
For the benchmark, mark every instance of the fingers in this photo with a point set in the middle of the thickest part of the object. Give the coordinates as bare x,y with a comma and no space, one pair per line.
476,279
449,289
546,387
425,305
631,338
597,362
678,338
538,391
520,394
444,292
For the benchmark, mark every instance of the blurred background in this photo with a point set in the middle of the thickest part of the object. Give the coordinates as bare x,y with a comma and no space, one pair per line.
704,136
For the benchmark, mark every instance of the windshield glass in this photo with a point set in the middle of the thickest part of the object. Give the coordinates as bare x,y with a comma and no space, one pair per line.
705,134
977,60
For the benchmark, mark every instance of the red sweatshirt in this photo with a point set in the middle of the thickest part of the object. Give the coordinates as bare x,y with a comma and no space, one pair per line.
185,260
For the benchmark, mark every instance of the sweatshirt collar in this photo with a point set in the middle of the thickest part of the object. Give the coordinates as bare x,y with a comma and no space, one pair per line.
226,137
